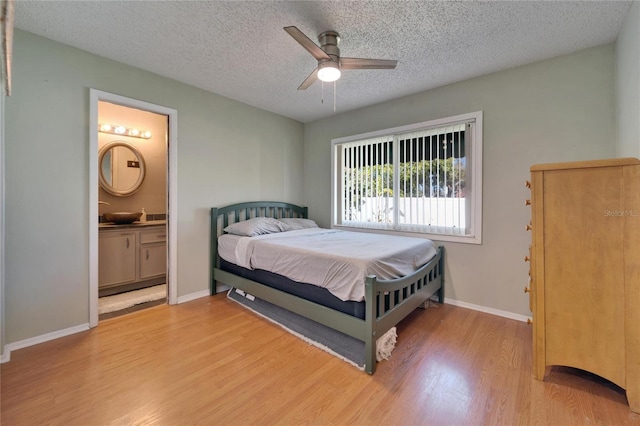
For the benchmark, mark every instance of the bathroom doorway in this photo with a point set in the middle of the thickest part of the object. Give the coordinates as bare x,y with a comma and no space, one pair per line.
132,209
133,158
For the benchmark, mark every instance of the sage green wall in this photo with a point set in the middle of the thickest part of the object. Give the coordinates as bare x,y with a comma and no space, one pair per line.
227,152
556,110
2,222
628,84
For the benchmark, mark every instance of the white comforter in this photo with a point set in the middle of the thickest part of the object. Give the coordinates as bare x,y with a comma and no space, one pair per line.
336,260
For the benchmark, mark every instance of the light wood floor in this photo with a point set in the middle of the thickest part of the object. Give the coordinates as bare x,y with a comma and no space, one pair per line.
209,362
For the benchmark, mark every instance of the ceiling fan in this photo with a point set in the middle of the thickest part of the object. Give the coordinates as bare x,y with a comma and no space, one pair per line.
328,56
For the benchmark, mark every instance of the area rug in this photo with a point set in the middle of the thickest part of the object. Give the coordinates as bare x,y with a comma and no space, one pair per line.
121,301
338,344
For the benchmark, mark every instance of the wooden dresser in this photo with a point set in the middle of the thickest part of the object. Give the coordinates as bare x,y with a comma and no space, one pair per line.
585,269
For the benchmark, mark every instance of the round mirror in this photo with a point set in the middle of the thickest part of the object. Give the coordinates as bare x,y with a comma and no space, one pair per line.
122,168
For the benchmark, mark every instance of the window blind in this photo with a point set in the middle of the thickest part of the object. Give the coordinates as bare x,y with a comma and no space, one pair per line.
413,181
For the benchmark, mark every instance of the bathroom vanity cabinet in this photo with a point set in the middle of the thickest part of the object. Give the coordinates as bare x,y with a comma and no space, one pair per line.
133,255
153,252
117,257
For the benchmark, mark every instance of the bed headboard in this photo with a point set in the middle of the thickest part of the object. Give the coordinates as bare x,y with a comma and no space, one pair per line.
221,217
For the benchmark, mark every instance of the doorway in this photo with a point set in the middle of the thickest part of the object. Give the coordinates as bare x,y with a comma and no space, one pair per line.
168,216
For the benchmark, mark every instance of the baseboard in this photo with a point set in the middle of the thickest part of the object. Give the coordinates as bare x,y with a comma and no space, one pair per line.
492,311
192,296
6,356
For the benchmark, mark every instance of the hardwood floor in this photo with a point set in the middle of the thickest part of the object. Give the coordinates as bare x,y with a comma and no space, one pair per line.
210,362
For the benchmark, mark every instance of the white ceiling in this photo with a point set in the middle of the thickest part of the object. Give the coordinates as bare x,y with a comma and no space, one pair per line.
238,49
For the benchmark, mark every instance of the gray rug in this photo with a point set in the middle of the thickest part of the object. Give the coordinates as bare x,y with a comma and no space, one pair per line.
336,343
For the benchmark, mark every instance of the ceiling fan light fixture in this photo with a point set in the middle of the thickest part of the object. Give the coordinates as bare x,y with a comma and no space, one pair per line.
328,71
329,60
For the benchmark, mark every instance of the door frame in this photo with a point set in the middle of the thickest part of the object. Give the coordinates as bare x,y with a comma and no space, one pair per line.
96,96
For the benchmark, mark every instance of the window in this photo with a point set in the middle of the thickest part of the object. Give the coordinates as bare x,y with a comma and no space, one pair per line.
423,178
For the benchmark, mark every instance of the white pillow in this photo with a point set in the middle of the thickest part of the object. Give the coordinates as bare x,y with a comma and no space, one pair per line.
298,223
256,226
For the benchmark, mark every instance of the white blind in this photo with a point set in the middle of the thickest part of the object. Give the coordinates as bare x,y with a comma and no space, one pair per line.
414,181
367,182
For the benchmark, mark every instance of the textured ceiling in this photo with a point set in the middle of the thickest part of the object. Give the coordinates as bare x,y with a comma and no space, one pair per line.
239,50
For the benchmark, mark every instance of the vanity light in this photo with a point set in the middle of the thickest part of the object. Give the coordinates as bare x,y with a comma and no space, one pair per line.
121,130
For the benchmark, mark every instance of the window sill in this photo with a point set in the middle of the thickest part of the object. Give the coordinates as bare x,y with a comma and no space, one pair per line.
464,239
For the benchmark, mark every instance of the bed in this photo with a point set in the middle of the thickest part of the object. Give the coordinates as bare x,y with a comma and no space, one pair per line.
393,299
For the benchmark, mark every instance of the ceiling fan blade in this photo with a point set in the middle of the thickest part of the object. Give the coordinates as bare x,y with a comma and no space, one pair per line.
367,64
307,43
309,80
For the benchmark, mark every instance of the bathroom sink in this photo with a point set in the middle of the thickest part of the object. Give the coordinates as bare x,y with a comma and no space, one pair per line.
121,217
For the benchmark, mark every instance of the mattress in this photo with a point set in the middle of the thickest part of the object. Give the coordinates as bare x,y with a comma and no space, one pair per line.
310,292
336,260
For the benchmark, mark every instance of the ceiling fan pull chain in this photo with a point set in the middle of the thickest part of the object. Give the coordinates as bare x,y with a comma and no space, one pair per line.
322,92
334,96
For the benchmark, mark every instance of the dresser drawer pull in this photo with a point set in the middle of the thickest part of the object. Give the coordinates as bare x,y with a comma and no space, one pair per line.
527,202
529,322
527,184
527,289
527,259
528,227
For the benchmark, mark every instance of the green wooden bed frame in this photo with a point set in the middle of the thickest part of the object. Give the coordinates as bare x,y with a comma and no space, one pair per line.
405,294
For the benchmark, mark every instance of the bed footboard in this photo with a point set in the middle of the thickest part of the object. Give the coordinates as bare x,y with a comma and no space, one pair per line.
397,299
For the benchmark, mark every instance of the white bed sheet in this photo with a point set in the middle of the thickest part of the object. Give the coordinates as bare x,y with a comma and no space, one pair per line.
334,259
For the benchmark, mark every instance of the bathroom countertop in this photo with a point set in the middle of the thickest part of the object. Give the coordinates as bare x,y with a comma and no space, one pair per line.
109,225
